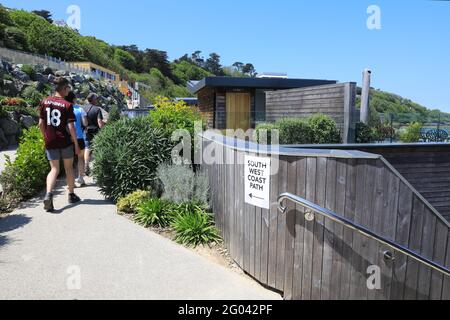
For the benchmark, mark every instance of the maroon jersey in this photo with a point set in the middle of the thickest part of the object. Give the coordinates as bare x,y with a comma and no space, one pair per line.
56,113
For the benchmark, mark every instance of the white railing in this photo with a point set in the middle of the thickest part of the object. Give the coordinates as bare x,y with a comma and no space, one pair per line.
20,57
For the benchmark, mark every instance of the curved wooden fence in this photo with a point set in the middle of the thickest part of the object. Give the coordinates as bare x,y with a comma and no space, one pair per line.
323,259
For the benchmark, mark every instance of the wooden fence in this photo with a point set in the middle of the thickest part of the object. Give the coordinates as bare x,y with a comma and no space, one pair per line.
334,100
322,259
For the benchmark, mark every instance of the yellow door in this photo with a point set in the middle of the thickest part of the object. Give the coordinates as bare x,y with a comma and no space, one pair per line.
238,110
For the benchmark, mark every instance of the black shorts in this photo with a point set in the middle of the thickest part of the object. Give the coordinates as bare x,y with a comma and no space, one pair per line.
90,135
82,144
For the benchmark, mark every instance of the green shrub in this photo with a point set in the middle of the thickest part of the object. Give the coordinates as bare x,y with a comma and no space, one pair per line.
33,96
131,202
28,111
14,38
317,129
263,132
29,70
294,131
8,77
180,184
5,17
193,226
384,131
323,129
155,212
24,177
170,116
114,114
411,133
364,133
47,38
7,203
127,154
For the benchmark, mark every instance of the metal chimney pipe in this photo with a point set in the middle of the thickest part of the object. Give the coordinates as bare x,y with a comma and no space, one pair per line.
365,94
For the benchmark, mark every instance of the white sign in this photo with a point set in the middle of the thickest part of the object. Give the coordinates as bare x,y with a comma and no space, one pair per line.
257,181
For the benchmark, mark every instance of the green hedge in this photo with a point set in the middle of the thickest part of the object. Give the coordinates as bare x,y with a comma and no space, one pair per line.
317,129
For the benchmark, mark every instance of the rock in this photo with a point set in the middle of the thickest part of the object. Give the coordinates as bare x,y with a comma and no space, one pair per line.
61,73
10,89
20,75
13,115
40,77
9,127
13,140
51,78
76,78
39,68
5,65
47,71
92,87
3,141
27,121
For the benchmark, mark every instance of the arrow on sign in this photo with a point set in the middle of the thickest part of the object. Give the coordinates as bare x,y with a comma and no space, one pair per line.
253,196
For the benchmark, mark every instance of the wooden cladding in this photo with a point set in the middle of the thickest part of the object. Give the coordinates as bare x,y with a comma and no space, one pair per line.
426,168
323,259
336,101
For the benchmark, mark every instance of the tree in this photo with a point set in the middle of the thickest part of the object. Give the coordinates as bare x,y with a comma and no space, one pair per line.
138,55
157,59
249,69
44,14
15,38
125,58
58,42
185,71
238,66
5,17
198,59
213,64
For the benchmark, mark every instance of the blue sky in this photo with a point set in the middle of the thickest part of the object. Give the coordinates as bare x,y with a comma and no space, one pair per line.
307,39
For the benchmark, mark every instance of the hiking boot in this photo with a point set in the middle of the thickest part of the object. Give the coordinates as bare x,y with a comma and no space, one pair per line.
48,203
73,198
81,182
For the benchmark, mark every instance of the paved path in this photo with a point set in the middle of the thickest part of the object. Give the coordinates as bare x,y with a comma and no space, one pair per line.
41,256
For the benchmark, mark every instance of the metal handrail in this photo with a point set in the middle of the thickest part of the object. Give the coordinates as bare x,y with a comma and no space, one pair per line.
368,233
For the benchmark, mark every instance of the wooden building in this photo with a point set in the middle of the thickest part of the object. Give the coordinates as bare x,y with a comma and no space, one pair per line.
240,103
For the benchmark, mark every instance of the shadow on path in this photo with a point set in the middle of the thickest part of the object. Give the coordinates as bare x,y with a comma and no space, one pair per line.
13,221
10,223
4,240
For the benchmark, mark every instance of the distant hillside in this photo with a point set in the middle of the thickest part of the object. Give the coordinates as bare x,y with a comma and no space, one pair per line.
404,110
34,32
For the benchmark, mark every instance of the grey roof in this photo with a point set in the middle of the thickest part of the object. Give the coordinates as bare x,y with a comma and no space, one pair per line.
257,83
